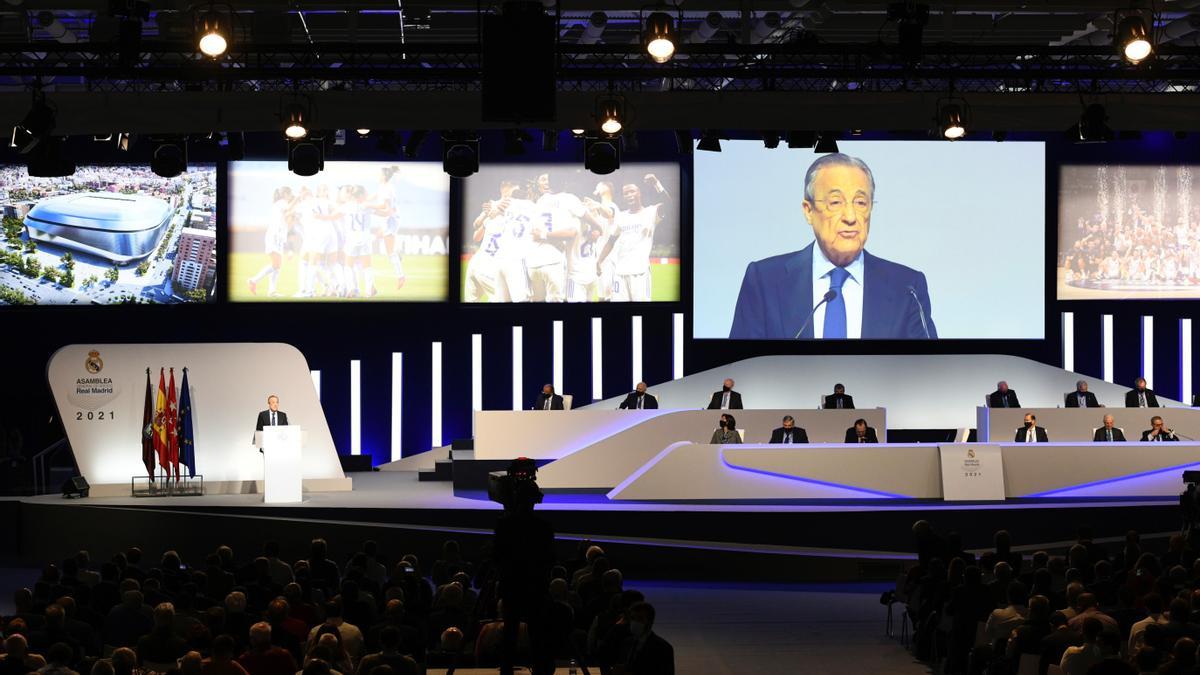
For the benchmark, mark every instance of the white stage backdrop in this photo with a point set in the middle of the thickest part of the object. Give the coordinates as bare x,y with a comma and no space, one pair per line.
100,391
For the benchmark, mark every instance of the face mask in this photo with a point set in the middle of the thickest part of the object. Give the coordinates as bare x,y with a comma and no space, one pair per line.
726,388
637,627
722,423
1028,424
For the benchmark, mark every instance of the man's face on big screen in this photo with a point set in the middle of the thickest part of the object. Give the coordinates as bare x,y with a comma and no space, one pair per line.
840,212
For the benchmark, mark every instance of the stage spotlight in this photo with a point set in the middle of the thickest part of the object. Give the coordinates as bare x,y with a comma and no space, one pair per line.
460,154
295,128
950,122
35,126
1133,40
610,114
801,139
601,154
46,160
577,133
170,158
413,146
1093,126
363,133
770,139
213,41
827,142
306,157
660,37
515,140
710,141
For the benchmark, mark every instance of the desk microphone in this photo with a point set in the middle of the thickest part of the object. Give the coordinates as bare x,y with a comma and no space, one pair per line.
829,296
920,311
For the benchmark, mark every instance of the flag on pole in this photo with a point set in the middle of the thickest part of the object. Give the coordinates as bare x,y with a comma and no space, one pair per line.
148,429
187,449
172,431
160,420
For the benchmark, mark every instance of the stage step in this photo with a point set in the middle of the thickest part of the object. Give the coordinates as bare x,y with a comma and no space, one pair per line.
442,471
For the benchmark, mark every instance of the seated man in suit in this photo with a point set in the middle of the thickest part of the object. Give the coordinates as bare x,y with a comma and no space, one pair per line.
547,399
789,432
726,432
638,398
1140,396
1003,397
1081,397
1031,432
1157,432
726,399
644,652
272,416
1108,433
861,433
839,398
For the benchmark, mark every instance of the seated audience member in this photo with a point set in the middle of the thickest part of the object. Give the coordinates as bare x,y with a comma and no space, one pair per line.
726,433
1028,635
1088,607
1157,432
547,399
449,651
448,611
789,432
280,572
1146,660
644,652
161,647
350,637
1060,638
726,399
389,654
318,667
286,631
1081,397
1108,433
1183,659
1002,622
223,661
861,433
1178,623
638,399
264,658
489,642
102,667
16,659
1003,397
59,659
1140,396
1078,660
1154,614
838,399
1031,432
330,649
127,622
410,637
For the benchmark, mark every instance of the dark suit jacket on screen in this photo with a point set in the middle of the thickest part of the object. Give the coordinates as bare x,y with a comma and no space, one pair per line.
852,437
264,419
556,402
1099,436
799,435
830,401
1039,432
1071,399
735,400
996,399
776,299
1131,399
632,403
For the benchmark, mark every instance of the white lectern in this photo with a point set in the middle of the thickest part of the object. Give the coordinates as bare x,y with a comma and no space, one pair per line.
282,471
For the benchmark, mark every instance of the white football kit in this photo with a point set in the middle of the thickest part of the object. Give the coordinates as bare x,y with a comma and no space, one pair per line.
635,238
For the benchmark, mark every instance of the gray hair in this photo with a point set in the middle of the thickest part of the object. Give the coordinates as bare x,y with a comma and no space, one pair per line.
1079,383
789,418
834,159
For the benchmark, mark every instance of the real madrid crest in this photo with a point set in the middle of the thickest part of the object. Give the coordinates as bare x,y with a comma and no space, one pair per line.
970,453
94,363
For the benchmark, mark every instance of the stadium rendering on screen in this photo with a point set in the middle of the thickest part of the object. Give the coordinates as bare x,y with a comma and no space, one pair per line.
884,240
558,233
107,235
1128,232
357,231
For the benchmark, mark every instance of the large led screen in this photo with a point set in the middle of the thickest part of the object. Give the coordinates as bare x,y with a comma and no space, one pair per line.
108,235
356,231
1128,232
884,240
559,233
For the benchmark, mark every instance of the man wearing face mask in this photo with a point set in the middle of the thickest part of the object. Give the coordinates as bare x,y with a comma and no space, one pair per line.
726,433
547,399
726,399
645,652
638,399
1140,396
833,288
1031,432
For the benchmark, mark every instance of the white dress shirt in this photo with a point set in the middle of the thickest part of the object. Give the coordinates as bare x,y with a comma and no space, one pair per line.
852,293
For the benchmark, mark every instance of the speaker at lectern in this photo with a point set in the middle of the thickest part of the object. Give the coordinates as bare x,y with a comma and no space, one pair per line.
282,471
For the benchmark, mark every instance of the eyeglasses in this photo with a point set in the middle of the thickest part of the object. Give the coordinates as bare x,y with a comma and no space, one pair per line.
861,204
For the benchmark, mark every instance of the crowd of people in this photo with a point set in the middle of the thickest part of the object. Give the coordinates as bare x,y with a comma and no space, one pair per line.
1097,610
231,614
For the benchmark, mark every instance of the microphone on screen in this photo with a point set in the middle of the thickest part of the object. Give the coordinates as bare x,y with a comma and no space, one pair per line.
920,311
829,296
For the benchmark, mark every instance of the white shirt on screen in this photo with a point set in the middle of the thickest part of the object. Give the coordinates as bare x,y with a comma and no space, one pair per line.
725,401
852,293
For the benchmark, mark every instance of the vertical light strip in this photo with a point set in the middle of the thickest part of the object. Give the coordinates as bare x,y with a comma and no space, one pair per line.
397,403
677,348
1068,341
557,358
316,378
518,368
1106,341
435,393
1148,350
597,359
1185,361
476,372
635,331
355,407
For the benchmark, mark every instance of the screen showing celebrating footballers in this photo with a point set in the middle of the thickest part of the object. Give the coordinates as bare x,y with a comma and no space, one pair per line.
558,233
355,231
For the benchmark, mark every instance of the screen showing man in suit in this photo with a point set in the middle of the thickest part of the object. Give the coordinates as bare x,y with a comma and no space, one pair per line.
882,241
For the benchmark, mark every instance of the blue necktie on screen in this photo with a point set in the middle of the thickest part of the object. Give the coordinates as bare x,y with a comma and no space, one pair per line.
835,309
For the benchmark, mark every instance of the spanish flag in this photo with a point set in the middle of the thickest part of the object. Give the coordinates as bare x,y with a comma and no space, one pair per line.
160,420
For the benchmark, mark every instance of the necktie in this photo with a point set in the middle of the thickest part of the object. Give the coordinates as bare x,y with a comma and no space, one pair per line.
839,402
725,401
640,399
1029,435
547,403
273,418
1082,401
1142,400
1108,432
1004,400
787,438
835,309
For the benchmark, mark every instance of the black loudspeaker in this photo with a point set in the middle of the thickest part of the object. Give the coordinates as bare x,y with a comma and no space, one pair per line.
76,486
352,463
518,69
